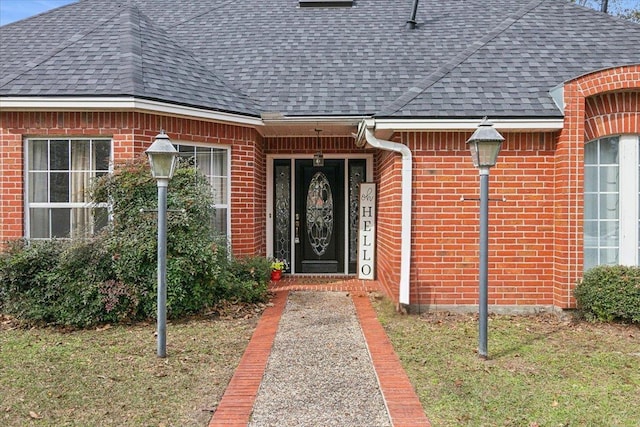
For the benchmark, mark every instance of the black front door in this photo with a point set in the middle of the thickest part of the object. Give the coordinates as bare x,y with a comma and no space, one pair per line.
319,217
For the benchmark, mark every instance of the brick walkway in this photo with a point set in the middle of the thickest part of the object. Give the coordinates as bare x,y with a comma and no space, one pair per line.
402,402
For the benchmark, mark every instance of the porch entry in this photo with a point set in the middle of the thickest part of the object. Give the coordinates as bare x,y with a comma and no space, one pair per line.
315,214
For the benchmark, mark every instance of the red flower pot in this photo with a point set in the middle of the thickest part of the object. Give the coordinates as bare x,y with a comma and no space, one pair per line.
276,275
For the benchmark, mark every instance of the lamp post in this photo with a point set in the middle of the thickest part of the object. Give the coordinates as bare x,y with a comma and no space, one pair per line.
162,158
484,144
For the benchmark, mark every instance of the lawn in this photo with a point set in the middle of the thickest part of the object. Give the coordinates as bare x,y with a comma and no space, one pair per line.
542,370
111,375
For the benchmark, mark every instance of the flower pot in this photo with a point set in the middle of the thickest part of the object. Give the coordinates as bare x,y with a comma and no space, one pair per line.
276,275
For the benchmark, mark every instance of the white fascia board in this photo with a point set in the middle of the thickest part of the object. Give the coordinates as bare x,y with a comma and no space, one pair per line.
399,125
121,104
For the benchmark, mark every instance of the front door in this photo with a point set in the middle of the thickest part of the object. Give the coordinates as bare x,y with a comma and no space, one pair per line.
319,216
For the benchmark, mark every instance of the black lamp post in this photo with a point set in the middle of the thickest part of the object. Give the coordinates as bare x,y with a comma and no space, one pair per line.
163,158
484,144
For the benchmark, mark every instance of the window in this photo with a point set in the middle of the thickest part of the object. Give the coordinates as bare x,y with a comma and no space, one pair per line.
59,173
214,164
611,201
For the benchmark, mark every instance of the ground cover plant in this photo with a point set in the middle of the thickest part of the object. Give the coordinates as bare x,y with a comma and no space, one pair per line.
542,370
110,376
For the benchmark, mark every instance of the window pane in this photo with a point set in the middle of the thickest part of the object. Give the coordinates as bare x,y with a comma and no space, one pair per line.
38,154
39,223
591,153
80,183
590,258
38,187
591,233
219,221
219,162
608,234
203,161
80,155
609,178
609,206
609,151
60,222
219,190
590,179
591,206
59,151
608,256
101,154
59,190
186,150
81,220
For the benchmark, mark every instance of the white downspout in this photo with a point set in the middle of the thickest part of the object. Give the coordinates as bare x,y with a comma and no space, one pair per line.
365,132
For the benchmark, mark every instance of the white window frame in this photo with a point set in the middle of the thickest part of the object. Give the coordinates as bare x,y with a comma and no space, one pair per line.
226,206
52,205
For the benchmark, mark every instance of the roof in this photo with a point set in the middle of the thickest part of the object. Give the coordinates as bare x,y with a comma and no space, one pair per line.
464,59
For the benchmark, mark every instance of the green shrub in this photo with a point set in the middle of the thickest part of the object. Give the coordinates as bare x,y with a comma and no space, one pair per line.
247,279
610,293
25,272
193,258
113,276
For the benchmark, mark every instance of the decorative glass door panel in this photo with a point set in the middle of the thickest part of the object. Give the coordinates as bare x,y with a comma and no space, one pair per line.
282,210
319,217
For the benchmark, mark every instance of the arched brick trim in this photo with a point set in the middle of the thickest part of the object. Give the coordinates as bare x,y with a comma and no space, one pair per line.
612,113
609,80
596,104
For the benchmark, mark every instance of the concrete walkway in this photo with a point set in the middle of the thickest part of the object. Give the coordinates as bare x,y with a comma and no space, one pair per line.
394,400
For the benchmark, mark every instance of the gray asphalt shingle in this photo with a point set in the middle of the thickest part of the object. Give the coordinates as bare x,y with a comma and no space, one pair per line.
465,58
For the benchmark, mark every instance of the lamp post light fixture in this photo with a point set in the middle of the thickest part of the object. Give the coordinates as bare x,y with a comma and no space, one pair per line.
163,158
484,144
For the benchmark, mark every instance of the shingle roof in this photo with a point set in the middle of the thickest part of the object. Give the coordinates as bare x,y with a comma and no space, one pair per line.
465,58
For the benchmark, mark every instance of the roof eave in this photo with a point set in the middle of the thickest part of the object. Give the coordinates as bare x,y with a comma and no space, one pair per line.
125,103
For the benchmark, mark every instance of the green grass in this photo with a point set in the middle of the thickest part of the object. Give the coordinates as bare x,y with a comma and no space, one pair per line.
542,371
113,377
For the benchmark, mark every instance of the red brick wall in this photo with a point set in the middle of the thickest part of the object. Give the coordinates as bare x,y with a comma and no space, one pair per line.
132,133
446,224
597,104
248,198
388,232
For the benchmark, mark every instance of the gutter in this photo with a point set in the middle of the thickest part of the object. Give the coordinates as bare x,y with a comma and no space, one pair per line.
365,135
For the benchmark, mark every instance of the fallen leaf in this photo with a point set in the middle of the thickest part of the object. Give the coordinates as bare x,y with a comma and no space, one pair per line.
555,403
35,415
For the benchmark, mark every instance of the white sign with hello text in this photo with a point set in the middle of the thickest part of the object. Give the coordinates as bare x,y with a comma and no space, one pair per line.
367,231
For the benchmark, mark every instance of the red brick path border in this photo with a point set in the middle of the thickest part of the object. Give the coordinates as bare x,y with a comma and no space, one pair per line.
237,402
401,399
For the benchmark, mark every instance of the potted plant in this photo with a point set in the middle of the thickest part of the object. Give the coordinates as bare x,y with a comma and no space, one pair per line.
277,266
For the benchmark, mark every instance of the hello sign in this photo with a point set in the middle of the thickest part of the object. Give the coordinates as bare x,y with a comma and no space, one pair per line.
367,231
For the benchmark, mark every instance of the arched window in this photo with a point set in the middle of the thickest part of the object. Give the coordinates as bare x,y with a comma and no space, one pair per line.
611,201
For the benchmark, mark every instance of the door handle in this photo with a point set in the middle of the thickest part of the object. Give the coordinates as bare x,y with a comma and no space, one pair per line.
297,229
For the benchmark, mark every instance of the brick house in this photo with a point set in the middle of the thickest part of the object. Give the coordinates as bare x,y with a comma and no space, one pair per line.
252,90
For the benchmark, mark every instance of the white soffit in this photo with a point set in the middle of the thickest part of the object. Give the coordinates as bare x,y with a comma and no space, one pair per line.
121,104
